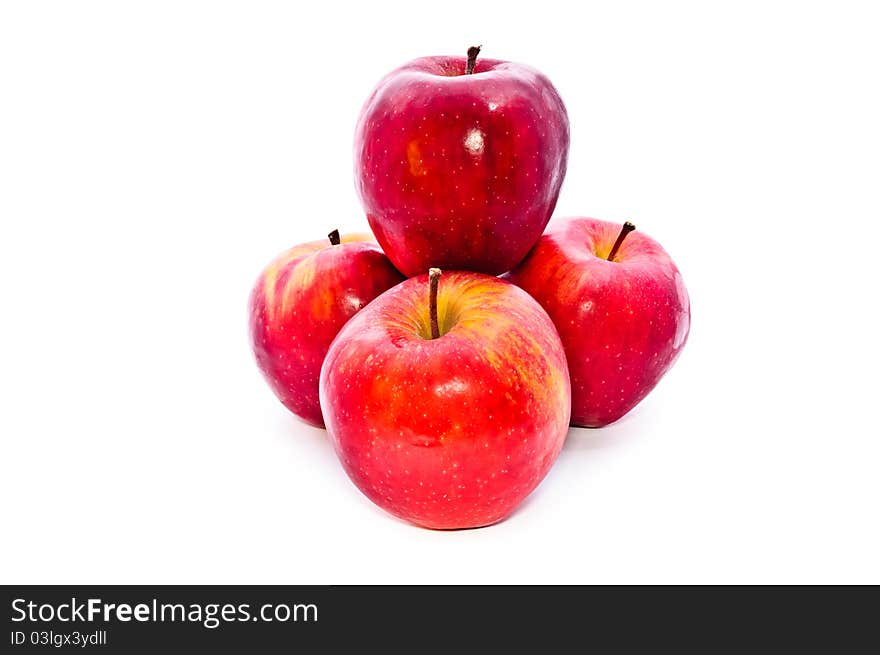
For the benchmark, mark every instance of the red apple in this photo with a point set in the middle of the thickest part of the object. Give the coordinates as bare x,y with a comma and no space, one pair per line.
460,171
453,431
300,302
623,313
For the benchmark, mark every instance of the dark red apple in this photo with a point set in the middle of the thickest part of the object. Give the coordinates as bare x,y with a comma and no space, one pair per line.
620,306
300,302
451,422
458,170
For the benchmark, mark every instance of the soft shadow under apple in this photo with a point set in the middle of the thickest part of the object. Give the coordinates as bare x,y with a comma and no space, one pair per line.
610,436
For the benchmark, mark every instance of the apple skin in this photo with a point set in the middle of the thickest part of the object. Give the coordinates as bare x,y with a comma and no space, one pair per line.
298,305
460,171
452,432
623,323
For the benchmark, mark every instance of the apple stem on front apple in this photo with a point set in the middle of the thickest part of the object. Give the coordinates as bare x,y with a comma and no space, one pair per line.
334,238
473,51
626,229
434,280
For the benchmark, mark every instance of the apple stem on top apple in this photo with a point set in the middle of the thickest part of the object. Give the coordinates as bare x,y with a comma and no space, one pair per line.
626,229
334,238
434,280
472,53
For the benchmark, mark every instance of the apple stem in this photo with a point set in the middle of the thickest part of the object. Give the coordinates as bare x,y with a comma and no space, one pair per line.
473,51
626,229
334,238
434,279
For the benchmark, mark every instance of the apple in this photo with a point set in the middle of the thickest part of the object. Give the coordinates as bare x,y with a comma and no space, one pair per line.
620,306
460,170
447,406
299,303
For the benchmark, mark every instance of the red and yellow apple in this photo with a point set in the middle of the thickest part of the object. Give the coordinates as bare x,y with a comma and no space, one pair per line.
620,306
460,170
451,422
299,303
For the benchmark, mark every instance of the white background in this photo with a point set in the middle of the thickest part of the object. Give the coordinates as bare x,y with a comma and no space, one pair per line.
154,156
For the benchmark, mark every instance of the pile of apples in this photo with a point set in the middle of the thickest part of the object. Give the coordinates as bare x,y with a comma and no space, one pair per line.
448,360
